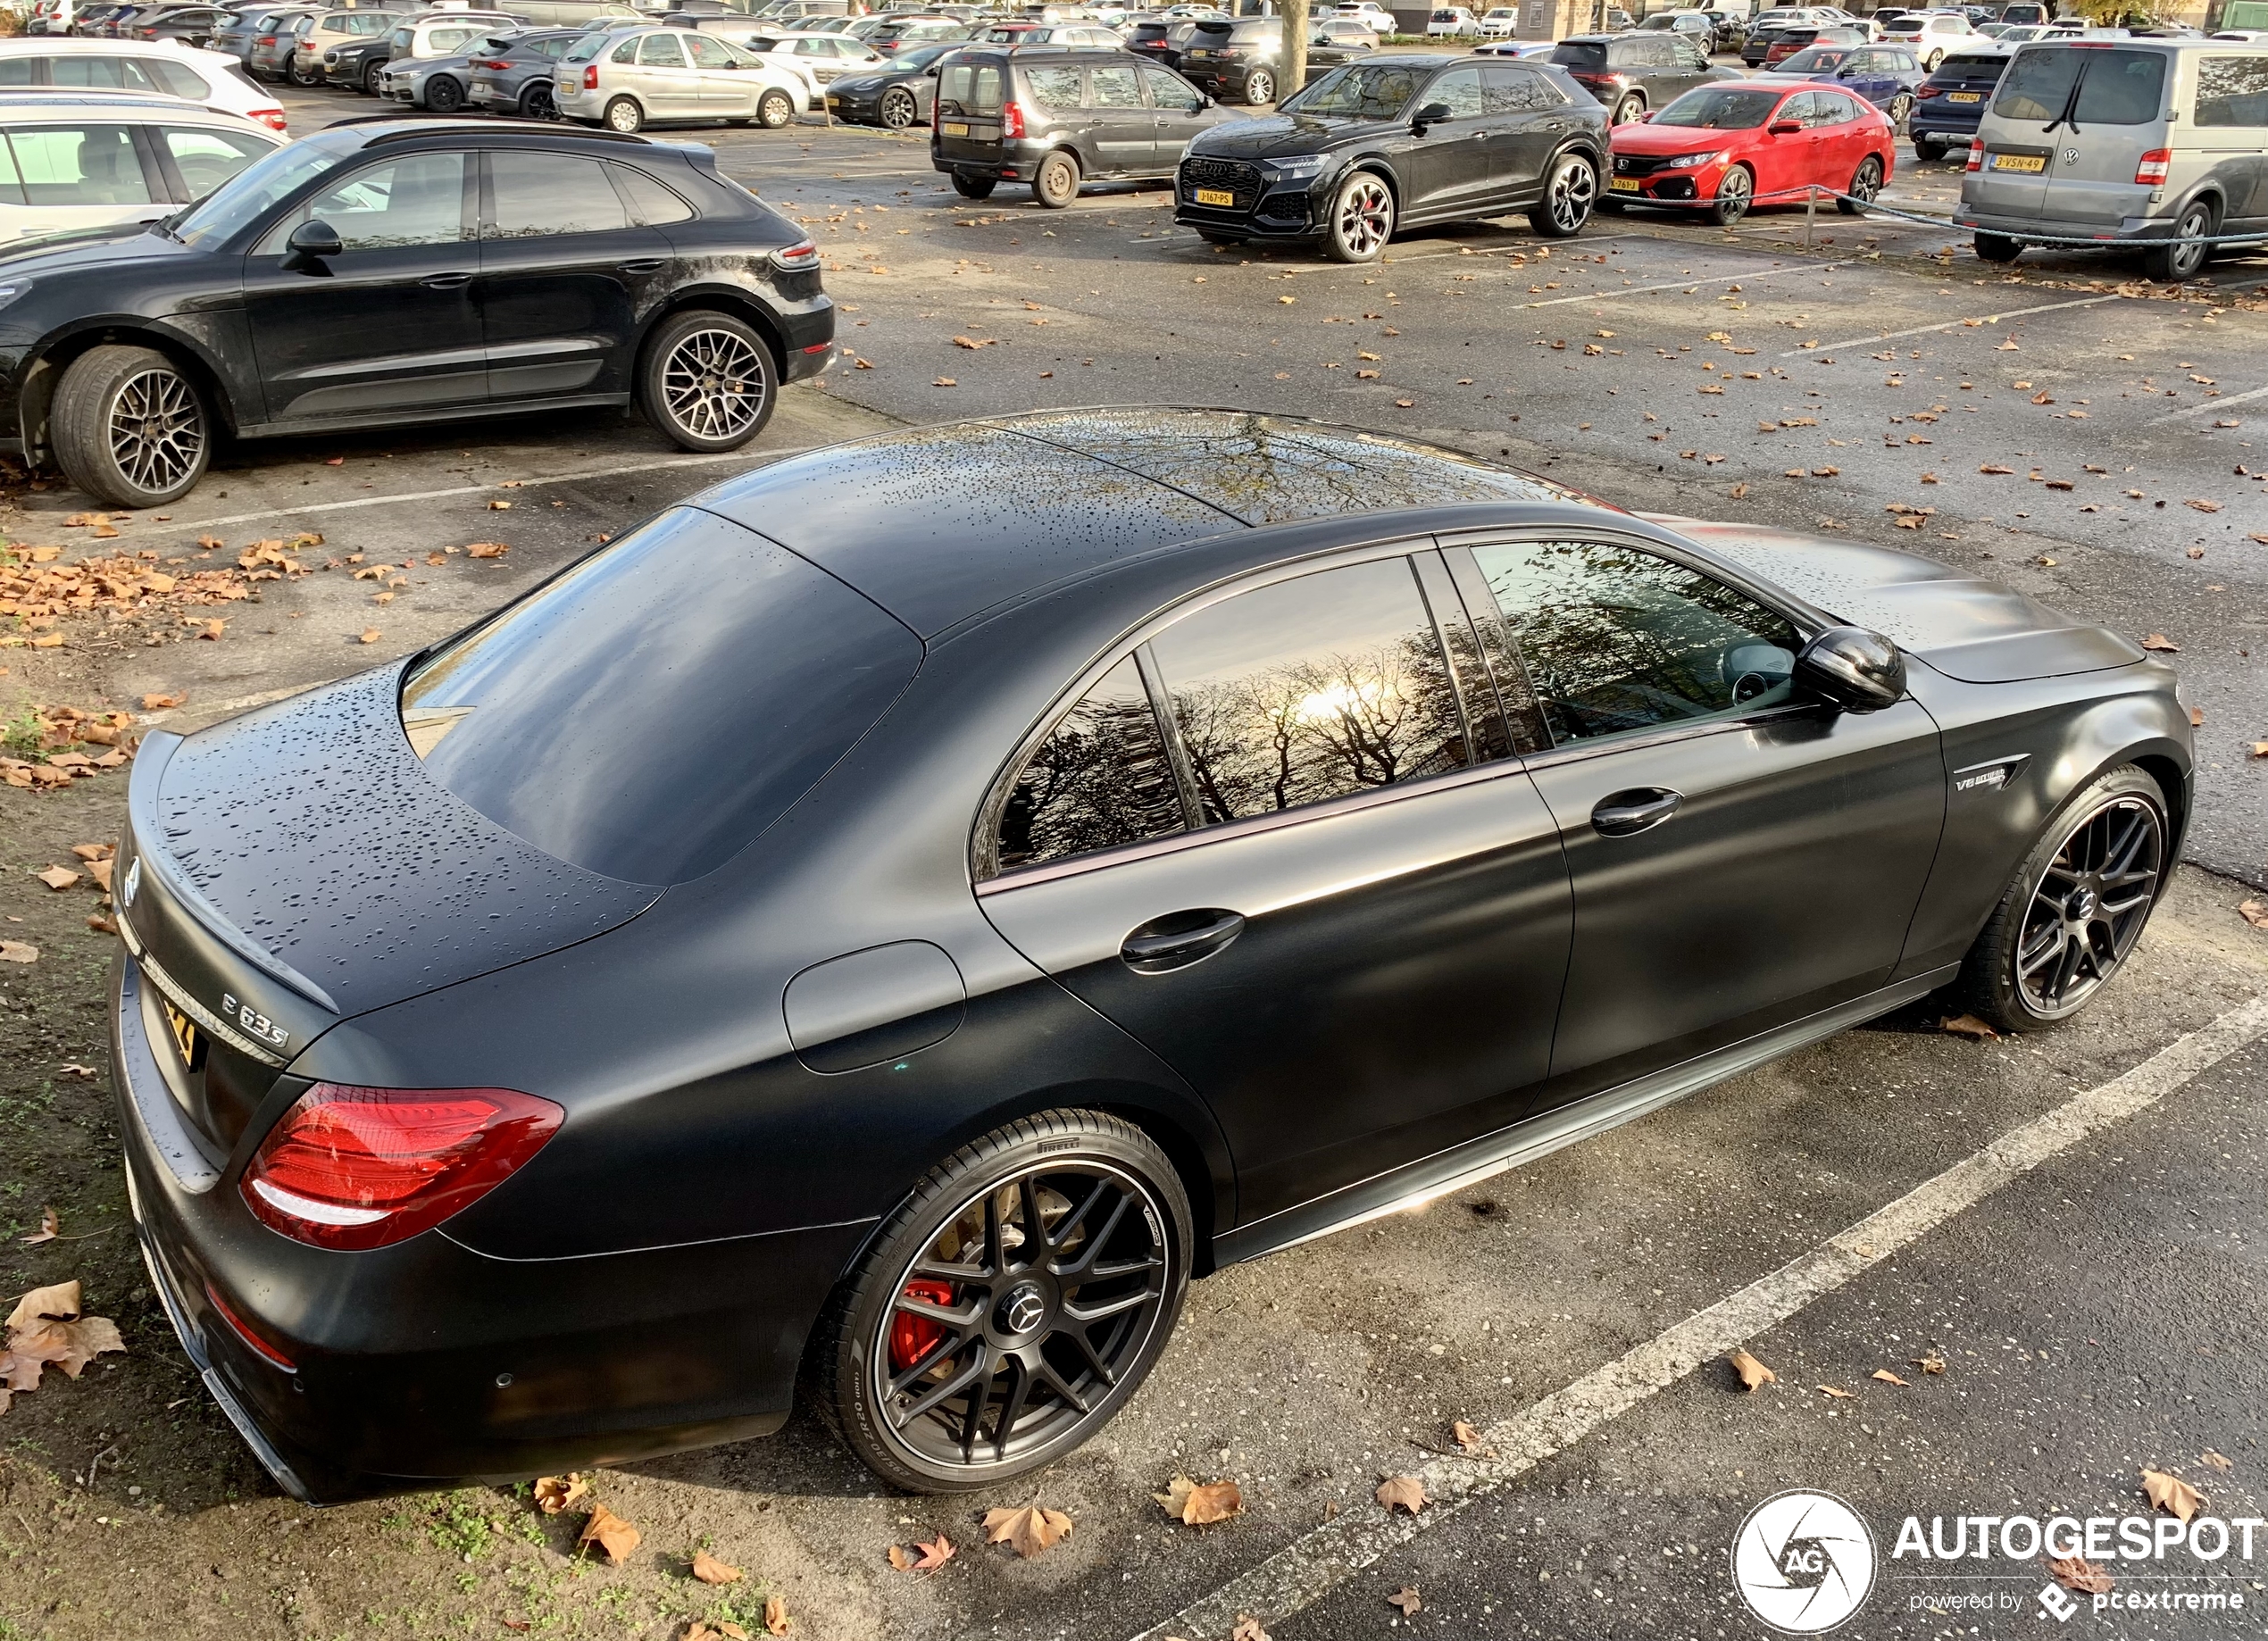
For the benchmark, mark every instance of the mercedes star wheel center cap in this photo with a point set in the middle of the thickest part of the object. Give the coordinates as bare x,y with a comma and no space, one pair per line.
1021,1308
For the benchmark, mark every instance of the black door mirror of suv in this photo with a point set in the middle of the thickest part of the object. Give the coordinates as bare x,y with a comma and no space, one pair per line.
310,242
1859,671
1432,114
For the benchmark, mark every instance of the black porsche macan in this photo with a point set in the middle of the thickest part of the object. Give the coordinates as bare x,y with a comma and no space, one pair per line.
400,271
897,916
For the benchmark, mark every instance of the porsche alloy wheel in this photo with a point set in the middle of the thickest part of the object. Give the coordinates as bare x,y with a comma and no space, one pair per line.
1362,219
708,381
130,427
1013,1305
2071,917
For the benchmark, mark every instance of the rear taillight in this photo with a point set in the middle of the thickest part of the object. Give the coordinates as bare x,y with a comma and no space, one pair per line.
243,1330
1012,119
490,63
1976,153
272,118
265,39
2153,166
590,77
800,257
1929,91
350,1167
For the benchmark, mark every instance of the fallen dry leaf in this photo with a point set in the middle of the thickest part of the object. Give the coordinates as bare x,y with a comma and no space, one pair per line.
50,1228
1248,1630
18,952
1027,1529
1466,1436
711,1570
2078,1574
57,878
1402,1493
2158,641
944,381
612,1534
554,1494
158,704
776,1621
1753,1373
369,635
1995,468
1739,491
2214,1460
1839,1394
2171,1495
1887,1377
486,549
2204,506
1404,404
901,1559
1931,1364
934,1554
723,1630
93,852
1406,1599
1966,1025
2196,718
974,342
2253,911
1200,1506
499,506
70,1070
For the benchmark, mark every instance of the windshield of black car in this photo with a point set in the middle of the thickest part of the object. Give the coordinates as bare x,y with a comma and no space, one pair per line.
246,197
1718,110
1360,91
565,718
1579,55
1813,59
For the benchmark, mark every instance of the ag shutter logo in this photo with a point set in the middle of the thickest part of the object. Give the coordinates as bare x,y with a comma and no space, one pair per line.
1804,1561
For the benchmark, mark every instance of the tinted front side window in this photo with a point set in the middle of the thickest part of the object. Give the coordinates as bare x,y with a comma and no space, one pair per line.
1114,87
1618,640
1370,92
2232,91
1102,777
564,719
1310,689
418,199
1458,91
1053,88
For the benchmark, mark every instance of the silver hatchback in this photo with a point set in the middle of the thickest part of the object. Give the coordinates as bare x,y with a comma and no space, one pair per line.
630,78
2159,143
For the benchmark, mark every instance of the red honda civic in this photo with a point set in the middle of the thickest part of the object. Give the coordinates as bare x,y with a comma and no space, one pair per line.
1723,147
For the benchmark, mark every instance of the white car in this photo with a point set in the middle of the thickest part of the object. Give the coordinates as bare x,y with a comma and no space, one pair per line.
627,79
1930,35
78,166
821,57
1499,23
207,78
1452,21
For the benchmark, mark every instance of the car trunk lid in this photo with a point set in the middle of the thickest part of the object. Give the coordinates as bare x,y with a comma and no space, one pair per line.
971,101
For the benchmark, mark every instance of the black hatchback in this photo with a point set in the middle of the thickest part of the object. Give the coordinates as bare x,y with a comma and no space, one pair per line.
398,272
1397,142
1634,74
1058,117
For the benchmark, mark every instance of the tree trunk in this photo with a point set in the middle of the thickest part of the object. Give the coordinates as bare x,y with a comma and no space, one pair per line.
1294,55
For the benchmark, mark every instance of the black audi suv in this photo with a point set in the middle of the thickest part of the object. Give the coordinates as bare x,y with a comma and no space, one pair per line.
1398,142
1118,844
396,271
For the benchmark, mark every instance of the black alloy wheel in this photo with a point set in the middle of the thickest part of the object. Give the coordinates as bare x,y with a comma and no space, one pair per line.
1362,219
1010,1307
1260,87
899,109
2071,917
708,380
1568,198
1055,184
1866,182
130,427
2181,261
537,102
1736,192
775,111
443,94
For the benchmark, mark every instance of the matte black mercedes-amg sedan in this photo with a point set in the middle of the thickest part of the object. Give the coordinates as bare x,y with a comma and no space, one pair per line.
400,271
1396,142
897,916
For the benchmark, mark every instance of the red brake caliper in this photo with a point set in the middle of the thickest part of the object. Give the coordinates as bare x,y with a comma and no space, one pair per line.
913,1337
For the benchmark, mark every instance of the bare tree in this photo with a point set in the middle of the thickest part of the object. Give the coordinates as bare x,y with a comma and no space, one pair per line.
1294,55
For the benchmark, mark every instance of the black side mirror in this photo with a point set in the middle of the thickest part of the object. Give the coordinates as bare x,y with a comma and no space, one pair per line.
310,242
1432,114
1860,672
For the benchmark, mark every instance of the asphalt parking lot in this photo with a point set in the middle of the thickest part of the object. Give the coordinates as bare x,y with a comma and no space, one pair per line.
2093,1297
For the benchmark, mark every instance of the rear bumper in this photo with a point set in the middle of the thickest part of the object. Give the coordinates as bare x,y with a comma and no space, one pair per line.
427,1363
2129,230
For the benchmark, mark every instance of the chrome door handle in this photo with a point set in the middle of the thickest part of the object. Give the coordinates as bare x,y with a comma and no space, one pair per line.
645,264
444,281
1179,938
1621,813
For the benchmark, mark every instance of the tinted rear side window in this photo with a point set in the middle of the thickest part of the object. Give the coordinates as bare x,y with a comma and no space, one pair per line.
2232,91
1102,777
649,713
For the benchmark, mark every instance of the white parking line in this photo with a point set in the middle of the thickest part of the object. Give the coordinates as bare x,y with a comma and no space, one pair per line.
1309,1568
1955,324
2222,402
1707,278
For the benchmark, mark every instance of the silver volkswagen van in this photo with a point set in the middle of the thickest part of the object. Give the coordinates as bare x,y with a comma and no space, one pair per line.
2144,142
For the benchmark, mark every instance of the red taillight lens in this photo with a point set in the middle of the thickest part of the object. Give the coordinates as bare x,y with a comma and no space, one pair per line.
590,77
490,63
800,257
361,1168
2153,166
272,118
1926,91
1012,121
1976,153
265,39
243,1330
913,1337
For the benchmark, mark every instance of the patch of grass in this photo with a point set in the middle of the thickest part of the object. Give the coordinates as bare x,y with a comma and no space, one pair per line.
461,1526
20,739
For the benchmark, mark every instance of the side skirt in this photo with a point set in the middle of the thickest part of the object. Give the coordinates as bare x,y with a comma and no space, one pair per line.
1417,1183
406,417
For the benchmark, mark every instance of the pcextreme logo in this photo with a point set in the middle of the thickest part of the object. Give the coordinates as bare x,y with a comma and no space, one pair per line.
1804,1561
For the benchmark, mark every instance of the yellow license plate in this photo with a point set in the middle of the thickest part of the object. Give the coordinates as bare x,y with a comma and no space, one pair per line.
954,127
1964,96
1623,185
2019,161
185,1035
1200,53
1215,196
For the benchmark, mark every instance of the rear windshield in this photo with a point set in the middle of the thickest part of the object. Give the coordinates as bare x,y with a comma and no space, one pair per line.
1981,66
1579,55
649,712
2114,87
969,87
1720,110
